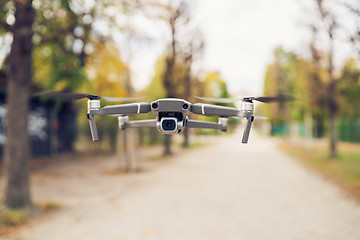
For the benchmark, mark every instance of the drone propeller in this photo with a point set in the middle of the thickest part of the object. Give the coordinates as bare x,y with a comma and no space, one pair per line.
65,95
255,118
278,98
220,100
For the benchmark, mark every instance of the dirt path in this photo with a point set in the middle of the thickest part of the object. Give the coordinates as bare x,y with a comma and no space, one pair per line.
222,191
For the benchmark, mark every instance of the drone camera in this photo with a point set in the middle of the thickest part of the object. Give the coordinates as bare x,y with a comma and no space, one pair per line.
169,125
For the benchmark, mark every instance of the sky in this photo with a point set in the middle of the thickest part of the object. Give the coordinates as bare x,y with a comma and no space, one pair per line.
240,38
242,35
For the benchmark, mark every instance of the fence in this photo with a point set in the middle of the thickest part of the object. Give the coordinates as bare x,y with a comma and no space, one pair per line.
52,126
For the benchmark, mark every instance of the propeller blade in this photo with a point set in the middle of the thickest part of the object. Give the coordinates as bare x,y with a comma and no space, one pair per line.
219,100
278,98
120,99
239,118
255,117
61,94
260,118
65,95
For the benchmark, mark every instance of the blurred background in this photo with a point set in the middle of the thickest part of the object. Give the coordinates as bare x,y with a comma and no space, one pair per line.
309,49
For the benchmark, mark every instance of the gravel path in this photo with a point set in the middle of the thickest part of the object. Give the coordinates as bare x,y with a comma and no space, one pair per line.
225,190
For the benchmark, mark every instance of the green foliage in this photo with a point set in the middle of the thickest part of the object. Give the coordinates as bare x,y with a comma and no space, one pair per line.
214,86
107,75
349,89
291,74
307,81
57,70
155,89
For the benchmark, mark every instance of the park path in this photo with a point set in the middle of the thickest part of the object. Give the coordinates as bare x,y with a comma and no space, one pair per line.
224,190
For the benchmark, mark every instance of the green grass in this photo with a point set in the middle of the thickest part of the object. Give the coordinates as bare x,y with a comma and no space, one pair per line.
11,218
344,170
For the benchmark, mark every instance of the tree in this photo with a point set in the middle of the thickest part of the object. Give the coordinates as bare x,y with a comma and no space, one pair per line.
175,14
193,48
279,79
330,26
16,156
61,31
185,45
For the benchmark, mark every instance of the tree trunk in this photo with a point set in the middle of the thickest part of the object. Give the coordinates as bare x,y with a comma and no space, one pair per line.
170,93
17,151
167,145
332,113
187,94
333,137
332,100
186,138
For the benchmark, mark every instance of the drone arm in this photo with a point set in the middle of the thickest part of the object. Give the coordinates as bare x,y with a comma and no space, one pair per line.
247,129
213,110
131,108
141,123
93,109
204,124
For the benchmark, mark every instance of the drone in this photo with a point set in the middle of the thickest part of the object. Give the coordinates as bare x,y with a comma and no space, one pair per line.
172,114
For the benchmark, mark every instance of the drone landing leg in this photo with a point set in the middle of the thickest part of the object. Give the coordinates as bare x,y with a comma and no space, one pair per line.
93,129
245,138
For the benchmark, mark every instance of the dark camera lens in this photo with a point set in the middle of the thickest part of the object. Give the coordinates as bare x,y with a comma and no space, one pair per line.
185,106
154,106
168,125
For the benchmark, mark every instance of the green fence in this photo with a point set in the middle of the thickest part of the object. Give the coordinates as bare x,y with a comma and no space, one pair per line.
349,129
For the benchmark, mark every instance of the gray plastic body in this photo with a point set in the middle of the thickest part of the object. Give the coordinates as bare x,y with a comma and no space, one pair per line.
204,124
214,110
172,115
246,134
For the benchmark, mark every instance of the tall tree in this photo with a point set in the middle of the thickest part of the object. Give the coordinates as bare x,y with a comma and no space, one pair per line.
330,27
193,49
175,14
17,155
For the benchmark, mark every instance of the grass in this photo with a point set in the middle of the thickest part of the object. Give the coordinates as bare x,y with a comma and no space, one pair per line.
344,170
12,218
9,218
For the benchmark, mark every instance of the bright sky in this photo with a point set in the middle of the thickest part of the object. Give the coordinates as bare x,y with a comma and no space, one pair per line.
240,38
